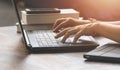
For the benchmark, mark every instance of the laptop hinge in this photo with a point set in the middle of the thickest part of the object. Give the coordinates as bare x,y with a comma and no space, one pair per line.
27,40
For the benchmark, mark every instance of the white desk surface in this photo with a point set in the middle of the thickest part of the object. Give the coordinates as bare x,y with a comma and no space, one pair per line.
13,56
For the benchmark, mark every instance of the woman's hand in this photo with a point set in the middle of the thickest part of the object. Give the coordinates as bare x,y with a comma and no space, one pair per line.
68,22
86,29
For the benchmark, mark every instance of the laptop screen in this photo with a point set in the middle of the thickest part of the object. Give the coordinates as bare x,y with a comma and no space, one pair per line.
19,20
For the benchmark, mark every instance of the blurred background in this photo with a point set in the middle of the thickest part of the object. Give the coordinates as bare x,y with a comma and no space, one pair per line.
107,10
7,16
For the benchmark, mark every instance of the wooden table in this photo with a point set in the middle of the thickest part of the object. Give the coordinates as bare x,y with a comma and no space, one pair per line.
14,56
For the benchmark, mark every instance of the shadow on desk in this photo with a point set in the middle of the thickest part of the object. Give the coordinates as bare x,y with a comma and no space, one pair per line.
12,50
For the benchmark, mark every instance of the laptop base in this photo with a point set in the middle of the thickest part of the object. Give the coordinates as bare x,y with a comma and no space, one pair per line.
43,41
105,53
61,49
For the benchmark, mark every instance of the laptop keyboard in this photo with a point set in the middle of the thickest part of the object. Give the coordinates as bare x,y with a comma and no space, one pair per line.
46,38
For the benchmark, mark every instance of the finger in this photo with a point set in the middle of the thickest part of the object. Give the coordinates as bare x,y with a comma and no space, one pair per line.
60,34
68,33
58,21
77,36
62,25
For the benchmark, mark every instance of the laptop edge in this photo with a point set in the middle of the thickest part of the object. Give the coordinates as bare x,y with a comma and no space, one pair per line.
25,37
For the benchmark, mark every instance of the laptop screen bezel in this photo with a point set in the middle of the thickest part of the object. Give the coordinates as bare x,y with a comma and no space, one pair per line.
20,23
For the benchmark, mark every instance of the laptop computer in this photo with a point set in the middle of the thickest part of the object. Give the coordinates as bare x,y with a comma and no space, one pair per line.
105,53
43,41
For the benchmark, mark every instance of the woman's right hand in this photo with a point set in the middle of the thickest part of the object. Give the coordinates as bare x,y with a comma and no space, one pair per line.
68,22
77,31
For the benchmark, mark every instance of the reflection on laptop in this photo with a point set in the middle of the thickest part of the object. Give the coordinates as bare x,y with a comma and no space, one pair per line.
43,40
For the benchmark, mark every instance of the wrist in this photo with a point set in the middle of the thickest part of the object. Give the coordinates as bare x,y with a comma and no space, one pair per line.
89,21
94,26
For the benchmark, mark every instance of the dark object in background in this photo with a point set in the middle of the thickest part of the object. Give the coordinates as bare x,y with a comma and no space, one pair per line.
41,10
49,3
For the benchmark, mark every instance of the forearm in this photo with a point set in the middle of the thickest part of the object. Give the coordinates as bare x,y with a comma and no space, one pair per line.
108,30
110,22
91,20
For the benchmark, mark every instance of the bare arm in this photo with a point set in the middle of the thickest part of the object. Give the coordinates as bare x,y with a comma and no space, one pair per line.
111,22
105,22
110,31
75,27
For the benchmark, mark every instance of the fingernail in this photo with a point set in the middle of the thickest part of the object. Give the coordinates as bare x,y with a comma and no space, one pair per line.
56,37
54,30
63,41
